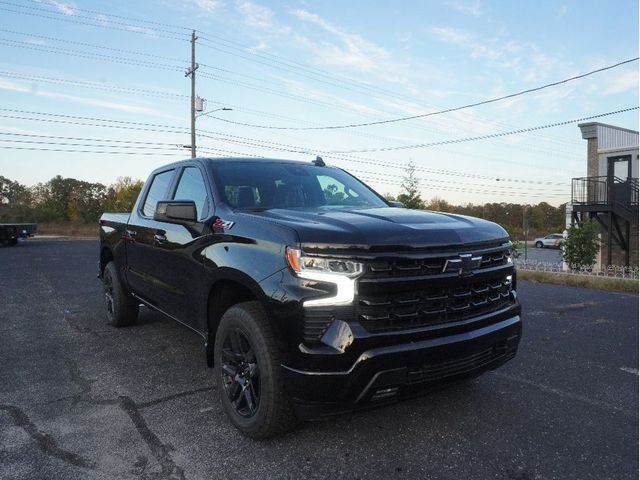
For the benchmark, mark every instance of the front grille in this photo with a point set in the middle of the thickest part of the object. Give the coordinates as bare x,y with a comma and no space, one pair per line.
401,292
432,264
458,366
418,306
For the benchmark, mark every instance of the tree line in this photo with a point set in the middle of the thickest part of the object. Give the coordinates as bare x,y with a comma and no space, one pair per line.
71,200
65,200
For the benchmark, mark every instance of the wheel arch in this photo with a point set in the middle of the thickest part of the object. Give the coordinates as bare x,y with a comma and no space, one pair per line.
106,256
230,288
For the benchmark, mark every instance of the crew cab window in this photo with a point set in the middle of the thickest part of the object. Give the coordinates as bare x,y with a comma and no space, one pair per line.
157,191
192,187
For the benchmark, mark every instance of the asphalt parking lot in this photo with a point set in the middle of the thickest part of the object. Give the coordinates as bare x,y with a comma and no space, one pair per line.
82,400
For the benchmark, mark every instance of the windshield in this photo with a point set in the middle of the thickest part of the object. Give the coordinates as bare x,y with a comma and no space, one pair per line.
260,185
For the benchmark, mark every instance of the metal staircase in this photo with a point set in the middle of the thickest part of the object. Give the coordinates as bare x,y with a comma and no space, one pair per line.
612,202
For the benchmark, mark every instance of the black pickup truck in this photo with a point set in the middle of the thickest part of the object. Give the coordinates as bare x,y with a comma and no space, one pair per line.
313,294
11,232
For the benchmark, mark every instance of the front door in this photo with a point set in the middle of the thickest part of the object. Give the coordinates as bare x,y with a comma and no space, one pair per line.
618,173
144,267
181,274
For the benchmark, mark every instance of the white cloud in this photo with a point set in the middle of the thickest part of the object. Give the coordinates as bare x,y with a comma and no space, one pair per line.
67,8
352,50
467,8
105,21
255,15
209,6
562,11
34,90
494,49
299,88
622,83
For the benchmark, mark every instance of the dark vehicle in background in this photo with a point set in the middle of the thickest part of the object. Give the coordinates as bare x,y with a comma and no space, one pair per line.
313,294
11,232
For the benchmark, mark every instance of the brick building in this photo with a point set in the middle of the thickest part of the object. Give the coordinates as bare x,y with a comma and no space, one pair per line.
609,192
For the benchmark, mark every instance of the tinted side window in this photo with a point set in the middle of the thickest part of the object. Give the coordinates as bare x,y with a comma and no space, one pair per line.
157,192
191,187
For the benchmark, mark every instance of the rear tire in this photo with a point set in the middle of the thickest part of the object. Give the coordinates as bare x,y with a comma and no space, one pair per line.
539,245
122,308
248,373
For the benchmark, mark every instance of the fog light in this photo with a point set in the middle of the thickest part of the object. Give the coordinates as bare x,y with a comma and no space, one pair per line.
384,393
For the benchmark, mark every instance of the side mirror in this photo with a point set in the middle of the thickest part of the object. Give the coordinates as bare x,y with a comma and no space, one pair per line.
176,211
395,203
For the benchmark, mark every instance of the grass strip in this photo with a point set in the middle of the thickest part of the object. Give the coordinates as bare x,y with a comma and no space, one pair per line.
609,284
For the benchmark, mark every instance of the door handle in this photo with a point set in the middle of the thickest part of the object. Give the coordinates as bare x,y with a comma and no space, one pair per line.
160,237
130,235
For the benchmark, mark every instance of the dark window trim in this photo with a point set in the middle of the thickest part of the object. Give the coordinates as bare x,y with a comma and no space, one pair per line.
619,158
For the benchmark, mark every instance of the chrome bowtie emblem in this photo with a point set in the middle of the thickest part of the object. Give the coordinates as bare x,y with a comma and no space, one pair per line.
464,264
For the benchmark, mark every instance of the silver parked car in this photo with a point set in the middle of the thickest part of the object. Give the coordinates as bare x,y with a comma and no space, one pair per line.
550,241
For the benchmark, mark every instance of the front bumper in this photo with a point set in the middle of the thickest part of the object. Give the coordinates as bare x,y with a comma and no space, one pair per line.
391,372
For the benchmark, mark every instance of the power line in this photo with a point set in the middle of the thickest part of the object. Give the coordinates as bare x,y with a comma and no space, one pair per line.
163,128
91,85
341,84
83,139
111,15
73,150
157,93
440,112
488,136
83,54
271,57
103,22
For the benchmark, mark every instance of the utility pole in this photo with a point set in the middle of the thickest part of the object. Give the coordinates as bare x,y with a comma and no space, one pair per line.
192,72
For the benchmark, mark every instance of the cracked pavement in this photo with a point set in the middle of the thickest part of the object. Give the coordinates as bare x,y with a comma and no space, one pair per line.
82,400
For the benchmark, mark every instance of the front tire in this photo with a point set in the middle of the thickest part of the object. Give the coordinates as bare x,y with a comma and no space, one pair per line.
539,245
122,308
247,369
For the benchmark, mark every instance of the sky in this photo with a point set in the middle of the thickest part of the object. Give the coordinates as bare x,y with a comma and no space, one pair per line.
97,90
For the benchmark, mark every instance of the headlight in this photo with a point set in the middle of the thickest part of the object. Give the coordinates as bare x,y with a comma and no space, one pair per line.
341,273
300,263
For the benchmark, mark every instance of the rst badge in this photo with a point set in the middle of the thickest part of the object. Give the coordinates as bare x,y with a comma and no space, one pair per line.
220,223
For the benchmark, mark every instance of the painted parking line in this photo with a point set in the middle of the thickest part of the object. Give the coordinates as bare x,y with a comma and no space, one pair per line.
634,371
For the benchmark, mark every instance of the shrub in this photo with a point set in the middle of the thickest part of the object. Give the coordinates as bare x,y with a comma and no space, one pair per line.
580,248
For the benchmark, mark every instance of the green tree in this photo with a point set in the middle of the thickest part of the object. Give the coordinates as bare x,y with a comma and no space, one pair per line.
438,204
122,195
410,195
580,247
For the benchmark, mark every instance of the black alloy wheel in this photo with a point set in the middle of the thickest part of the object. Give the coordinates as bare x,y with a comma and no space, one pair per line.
248,370
122,308
240,373
107,282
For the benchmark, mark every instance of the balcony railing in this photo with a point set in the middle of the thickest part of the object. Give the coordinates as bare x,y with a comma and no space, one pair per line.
604,191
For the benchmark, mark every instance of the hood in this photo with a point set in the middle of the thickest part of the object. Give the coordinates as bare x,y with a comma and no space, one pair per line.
384,228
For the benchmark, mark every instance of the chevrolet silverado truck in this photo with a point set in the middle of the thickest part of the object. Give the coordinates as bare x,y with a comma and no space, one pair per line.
313,294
